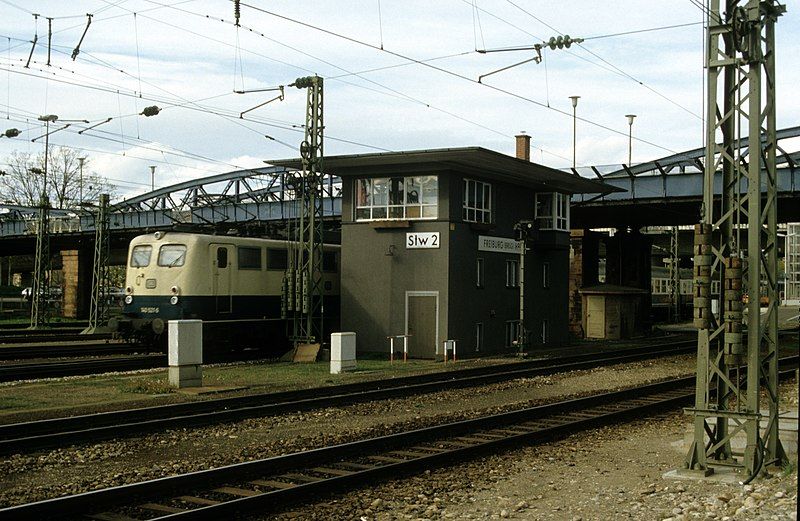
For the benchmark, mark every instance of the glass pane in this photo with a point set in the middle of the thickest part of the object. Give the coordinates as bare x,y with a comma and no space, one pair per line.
430,211
279,259
379,213
471,194
222,258
396,195
430,189
249,258
172,255
487,197
329,261
140,257
413,190
396,212
380,192
362,192
362,213
413,212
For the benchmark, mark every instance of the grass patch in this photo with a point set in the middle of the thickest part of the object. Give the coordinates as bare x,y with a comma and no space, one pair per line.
145,386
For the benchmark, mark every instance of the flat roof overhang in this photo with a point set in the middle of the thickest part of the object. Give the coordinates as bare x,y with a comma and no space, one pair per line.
476,161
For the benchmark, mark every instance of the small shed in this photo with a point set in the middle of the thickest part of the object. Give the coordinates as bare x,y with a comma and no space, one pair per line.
612,312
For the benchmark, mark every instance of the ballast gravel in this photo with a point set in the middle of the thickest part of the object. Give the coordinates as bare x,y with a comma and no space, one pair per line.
556,481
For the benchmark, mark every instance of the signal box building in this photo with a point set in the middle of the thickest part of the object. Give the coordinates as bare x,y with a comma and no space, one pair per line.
430,249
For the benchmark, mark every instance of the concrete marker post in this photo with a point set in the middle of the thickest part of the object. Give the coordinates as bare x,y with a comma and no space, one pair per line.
185,353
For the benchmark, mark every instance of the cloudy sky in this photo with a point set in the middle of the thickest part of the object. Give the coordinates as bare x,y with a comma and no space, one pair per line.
188,57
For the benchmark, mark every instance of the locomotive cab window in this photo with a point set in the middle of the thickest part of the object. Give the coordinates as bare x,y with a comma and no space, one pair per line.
140,256
249,258
329,261
222,258
277,259
172,255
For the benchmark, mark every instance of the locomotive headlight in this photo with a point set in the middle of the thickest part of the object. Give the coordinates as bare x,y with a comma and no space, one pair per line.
175,290
128,299
128,290
173,300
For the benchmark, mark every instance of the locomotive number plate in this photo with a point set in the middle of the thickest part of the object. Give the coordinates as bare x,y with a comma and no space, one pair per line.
148,310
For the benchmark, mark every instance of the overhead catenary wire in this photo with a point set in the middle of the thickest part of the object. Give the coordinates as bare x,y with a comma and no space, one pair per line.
409,60
453,74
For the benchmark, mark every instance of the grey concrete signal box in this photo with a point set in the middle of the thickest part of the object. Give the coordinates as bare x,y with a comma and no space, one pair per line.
429,248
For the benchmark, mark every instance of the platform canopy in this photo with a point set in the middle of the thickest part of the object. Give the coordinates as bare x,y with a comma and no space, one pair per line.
477,161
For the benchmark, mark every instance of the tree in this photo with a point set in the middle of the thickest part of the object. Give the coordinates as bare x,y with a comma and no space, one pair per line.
23,182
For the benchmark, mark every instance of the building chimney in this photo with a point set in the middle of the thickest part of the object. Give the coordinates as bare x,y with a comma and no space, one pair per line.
523,146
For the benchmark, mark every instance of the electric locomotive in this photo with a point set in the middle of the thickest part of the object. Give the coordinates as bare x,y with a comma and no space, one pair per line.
234,284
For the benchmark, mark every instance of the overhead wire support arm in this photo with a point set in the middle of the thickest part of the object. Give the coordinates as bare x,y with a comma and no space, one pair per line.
553,43
77,49
35,40
279,97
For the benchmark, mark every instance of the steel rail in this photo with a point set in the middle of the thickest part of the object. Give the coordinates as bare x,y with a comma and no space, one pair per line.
28,436
48,336
51,369
83,348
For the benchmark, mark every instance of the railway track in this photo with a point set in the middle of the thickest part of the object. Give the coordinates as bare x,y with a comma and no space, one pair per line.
64,336
273,483
52,369
28,436
84,347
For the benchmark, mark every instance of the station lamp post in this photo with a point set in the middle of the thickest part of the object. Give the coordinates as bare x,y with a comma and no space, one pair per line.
574,126
630,117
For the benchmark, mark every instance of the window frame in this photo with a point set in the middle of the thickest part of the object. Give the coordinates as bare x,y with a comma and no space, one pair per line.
260,251
270,266
545,331
473,211
480,273
478,336
226,259
149,255
552,211
512,332
395,198
512,275
171,265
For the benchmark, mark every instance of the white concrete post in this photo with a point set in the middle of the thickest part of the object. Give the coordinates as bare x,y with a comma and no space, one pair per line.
185,353
343,352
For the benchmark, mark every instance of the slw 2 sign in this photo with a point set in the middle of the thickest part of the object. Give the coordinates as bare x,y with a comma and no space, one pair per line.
420,240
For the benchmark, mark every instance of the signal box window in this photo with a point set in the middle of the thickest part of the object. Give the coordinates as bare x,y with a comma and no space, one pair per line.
479,274
140,256
277,259
412,197
172,255
477,204
249,258
552,211
222,258
512,273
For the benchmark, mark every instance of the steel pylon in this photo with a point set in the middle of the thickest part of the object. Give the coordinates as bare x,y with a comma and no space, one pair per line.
732,369
303,284
40,287
98,305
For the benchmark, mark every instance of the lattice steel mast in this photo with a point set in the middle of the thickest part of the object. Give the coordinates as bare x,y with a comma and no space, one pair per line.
40,286
304,277
741,53
98,305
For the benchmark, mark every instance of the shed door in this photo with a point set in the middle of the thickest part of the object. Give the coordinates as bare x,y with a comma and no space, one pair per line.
221,268
595,316
421,325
